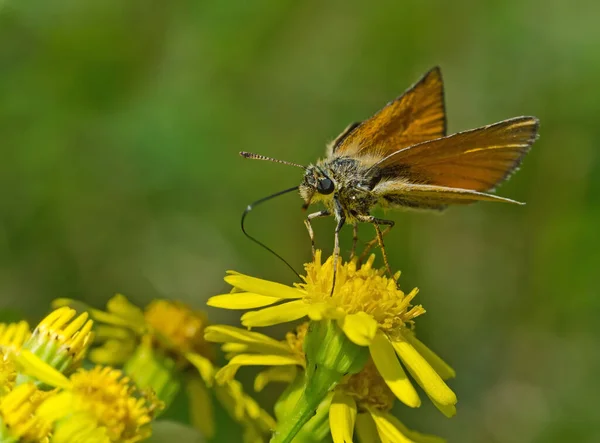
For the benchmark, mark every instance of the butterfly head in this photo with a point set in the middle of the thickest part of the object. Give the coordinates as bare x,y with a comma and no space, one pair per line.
316,185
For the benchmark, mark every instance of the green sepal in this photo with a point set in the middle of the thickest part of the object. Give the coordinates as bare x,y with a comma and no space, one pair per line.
330,356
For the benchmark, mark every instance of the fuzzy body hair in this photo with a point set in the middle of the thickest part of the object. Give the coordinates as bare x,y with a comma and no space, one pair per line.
355,186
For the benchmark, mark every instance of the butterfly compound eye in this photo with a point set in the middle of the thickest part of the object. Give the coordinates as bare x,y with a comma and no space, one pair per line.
325,186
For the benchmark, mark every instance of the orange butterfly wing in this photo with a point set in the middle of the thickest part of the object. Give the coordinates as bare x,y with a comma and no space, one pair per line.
418,196
416,116
476,160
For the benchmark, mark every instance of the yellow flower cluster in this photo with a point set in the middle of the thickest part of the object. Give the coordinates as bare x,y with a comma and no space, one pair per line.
372,312
45,396
143,359
345,367
163,348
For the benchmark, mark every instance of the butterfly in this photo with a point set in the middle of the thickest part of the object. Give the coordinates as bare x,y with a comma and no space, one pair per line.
401,157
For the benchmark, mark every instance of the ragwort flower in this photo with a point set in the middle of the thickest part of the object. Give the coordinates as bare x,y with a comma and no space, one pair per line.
115,409
62,339
44,397
13,335
361,403
364,400
19,418
163,347
370,309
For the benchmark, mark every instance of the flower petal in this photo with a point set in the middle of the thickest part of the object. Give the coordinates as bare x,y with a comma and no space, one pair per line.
226,373
101,316
203,365
254,341
386,429
241,300
389,367
423,373
201,410
81,427
342,417
242,407
440,366
415,436
285,374
365,429
263,360
120,306
360,328
235,348
264,287
274,315
37,368
56,406
448,410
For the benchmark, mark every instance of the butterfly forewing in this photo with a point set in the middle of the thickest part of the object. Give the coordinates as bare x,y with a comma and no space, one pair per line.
477,160
416,116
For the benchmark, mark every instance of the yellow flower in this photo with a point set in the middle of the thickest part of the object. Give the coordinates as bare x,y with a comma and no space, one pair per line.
178,328
255,421
370,309
180,331
365,400
13,335
103,396
158,346
19,418
361,402
172,327
8,373
246,348
118,329
79,427
61,339
109,396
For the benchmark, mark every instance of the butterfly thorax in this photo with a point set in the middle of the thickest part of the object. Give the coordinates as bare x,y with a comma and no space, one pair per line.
342,179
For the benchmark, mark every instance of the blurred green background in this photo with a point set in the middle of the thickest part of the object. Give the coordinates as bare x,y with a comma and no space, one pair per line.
120,124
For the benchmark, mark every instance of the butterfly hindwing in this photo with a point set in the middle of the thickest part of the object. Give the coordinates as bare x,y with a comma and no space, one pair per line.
400,193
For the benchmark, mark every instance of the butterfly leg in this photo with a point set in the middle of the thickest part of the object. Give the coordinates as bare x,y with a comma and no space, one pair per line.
308,225
375,241
341,219
354,240
377,222
383,253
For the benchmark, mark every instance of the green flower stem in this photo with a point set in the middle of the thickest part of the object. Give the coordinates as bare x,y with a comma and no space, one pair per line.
316,389
317,428
330,355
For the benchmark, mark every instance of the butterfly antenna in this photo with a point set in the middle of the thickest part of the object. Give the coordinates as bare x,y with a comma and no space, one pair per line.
252,156
251,206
